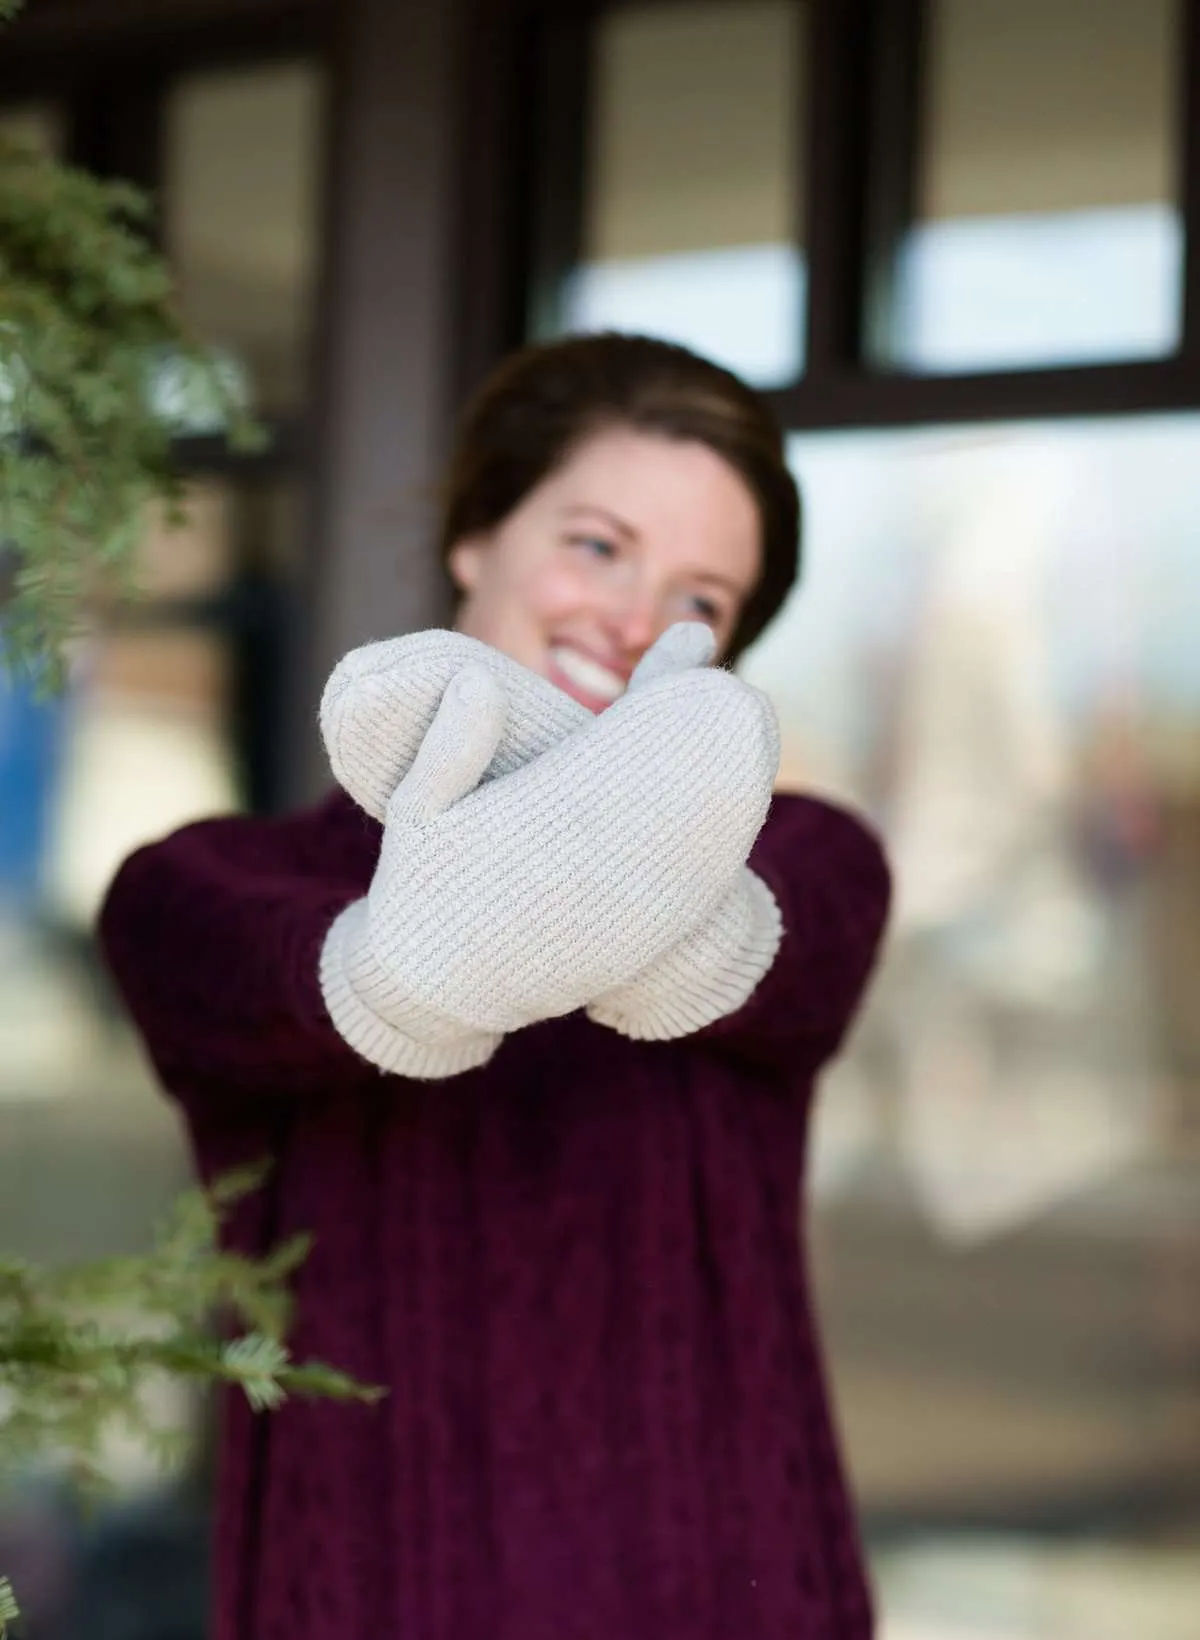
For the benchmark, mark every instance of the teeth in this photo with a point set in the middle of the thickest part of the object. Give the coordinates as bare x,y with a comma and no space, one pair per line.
588,675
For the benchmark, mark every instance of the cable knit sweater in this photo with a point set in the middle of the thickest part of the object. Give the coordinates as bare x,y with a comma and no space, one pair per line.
576,1270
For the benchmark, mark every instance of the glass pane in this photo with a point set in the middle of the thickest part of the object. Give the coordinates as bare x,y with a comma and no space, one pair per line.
693,211
1046,228
241,198
38,124
141,741
994,654
193,560
145,751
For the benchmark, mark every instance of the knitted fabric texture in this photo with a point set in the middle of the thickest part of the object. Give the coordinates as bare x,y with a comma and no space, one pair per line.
709,973
579,1272
419,1041
540,890
378,706
381,699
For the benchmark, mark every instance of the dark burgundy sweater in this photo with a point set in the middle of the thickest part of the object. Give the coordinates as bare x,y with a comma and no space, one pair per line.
577,1271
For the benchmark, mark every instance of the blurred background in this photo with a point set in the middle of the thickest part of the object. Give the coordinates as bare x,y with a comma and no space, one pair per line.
958,243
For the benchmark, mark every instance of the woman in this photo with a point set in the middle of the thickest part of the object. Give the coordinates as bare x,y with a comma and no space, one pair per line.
548,1140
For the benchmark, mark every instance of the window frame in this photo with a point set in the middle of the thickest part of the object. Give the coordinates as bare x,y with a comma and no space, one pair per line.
862,95
112,79
112,83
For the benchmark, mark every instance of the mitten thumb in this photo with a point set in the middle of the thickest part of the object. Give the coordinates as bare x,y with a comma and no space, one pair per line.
457,748
683,646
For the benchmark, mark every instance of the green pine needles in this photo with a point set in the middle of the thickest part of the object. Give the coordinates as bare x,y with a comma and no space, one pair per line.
97,376
81,1348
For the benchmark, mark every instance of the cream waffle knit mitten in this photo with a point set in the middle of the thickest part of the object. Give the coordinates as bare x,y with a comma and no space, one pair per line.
528,895
713,970
706,975
381,699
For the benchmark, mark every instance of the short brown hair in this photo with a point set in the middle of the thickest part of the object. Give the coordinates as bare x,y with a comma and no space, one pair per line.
542,402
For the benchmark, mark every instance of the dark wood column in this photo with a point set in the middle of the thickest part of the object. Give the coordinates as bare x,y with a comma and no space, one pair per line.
417,296
381,408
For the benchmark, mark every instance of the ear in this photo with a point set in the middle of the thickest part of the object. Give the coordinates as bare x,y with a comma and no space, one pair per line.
465,561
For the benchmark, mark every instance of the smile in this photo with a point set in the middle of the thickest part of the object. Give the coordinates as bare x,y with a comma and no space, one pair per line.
588,676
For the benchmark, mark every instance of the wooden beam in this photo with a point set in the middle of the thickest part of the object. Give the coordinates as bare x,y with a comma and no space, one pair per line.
66,22
838,96
1188,136
893,162
386,346
861,399
48,50
560,162
499,148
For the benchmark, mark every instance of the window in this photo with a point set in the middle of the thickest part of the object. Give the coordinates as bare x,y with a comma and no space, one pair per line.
692,226
241,195
38,124
1046,227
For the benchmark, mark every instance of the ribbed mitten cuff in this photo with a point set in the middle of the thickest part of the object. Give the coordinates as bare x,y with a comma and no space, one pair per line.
707,976
426,1050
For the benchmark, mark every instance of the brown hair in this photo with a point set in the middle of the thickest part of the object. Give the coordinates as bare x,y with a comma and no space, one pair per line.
543,401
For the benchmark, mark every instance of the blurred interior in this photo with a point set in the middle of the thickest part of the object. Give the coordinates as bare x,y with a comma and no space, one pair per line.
972,311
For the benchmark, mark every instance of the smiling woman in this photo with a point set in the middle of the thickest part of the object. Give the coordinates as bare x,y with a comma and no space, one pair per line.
531,1012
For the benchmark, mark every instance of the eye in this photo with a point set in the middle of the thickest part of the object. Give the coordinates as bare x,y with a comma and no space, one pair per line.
706,609
594,545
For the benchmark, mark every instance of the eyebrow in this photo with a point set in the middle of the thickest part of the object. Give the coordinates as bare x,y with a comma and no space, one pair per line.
710,578
621,525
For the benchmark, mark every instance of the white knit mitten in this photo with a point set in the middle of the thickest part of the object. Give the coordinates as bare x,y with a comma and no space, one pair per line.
531,894
380,700
712,970
709,973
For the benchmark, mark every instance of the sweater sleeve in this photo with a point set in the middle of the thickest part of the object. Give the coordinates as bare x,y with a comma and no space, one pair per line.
213,936
827,873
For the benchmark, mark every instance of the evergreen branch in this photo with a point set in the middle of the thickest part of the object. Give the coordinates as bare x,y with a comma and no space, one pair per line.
80,1347
98,374
9,1610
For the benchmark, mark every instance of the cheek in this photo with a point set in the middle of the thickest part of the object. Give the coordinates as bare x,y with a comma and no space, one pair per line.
501,596
520,594
556,588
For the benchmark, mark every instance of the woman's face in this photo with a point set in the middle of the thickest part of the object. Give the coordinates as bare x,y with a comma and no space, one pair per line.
632,533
